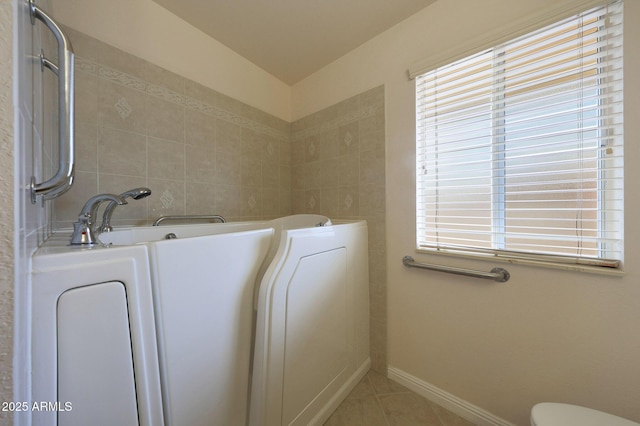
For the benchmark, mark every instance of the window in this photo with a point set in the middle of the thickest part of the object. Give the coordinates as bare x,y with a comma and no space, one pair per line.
519,147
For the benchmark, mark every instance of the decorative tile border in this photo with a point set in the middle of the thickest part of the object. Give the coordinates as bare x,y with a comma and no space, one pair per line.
132,82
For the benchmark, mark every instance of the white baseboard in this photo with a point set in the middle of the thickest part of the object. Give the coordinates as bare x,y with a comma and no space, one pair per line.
443,398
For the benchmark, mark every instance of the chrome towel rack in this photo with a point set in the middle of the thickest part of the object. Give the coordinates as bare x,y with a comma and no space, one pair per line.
496,274
190,217
63,179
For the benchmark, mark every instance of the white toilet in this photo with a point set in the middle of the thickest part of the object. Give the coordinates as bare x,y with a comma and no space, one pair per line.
555,414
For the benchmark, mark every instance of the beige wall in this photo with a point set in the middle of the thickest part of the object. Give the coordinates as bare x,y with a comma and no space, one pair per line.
546,334
6,208
148,31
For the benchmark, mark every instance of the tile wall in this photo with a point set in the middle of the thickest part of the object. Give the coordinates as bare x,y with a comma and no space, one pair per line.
202,152
338,169
198,150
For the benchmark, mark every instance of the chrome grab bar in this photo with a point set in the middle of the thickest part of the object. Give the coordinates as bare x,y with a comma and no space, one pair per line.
63,179
496,274
190,217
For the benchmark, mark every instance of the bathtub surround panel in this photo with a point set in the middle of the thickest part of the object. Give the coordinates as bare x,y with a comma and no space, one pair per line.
312,310
338,169
111,286
217,290
198,150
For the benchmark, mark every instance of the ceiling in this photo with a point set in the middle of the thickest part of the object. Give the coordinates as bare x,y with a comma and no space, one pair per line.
292,39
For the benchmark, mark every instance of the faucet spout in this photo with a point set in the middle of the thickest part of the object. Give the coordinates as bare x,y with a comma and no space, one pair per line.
84,228
135,193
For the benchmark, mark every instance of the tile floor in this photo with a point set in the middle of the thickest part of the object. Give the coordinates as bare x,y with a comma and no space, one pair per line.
378,401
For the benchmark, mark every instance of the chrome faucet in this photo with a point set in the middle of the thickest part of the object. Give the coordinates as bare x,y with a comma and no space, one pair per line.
136,194
84,228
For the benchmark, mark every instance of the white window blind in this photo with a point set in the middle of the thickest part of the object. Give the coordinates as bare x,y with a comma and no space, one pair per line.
520,147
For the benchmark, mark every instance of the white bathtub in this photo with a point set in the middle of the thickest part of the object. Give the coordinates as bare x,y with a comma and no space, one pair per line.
204,295
188,305
312,328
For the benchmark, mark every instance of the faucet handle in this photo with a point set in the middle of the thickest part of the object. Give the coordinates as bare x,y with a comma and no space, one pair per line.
82,233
